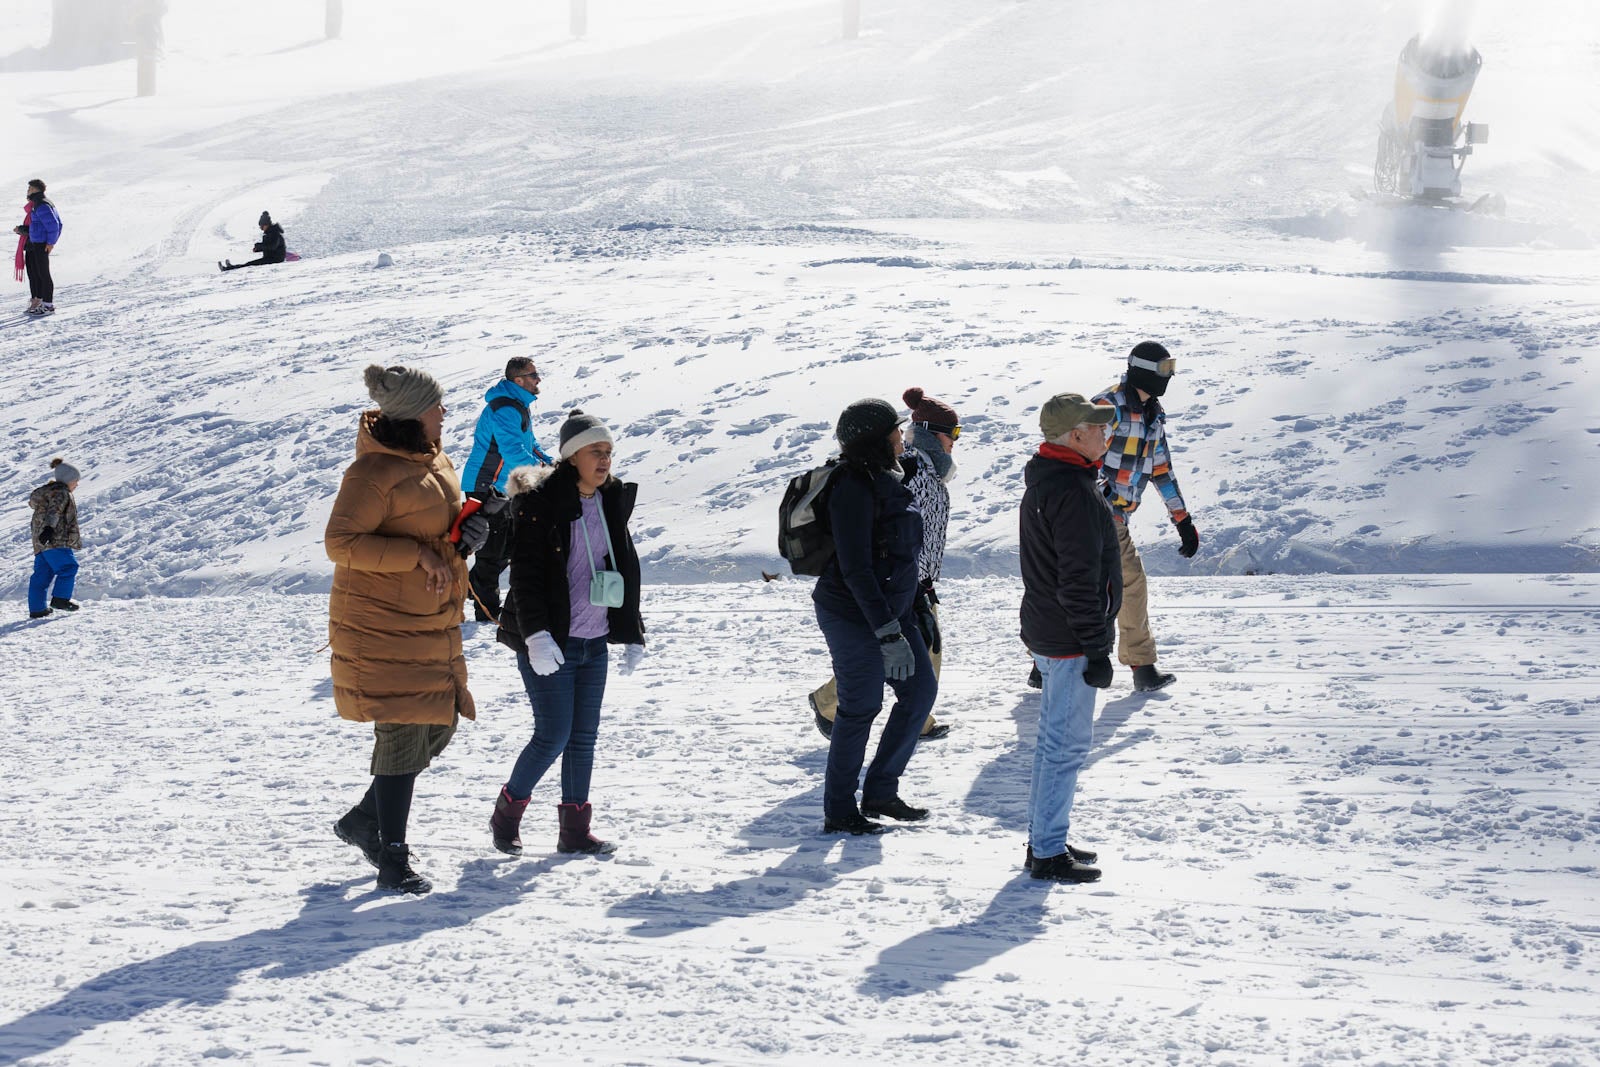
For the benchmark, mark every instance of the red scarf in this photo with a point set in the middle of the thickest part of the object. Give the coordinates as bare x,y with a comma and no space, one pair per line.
1066,455
22,238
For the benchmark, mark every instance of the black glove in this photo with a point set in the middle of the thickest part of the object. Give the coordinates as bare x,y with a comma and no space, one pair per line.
927,622
1097,672
47,535
19,230
494,501
474,532
929,592
256,247
1190,539
898,662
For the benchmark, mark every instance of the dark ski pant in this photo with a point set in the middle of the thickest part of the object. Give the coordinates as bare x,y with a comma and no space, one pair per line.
858,667
40,285
251,263
488,563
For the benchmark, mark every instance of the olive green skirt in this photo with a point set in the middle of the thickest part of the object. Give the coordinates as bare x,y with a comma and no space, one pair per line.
406,748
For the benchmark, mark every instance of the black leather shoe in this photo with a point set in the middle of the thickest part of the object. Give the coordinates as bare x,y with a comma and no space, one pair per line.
1082,855
1148,679
1064,868
893,808
855,825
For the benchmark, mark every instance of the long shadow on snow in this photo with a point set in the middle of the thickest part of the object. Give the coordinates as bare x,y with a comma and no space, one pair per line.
804,871
328,932
926,961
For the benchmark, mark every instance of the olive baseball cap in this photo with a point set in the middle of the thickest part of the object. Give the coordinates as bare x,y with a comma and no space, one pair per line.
1065,410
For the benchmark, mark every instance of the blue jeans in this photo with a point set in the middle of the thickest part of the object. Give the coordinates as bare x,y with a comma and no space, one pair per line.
1066,730
53,564
858,666
566,720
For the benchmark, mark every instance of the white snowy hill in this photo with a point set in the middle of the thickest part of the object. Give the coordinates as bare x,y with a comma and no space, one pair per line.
1360,828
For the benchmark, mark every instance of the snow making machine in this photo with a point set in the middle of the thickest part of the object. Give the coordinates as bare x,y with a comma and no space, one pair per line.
1422,142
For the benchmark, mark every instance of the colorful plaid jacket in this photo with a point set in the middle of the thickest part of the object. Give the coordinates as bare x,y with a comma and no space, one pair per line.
1138,454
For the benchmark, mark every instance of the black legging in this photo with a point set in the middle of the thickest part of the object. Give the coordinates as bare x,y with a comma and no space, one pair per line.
391,797
40,285
249,263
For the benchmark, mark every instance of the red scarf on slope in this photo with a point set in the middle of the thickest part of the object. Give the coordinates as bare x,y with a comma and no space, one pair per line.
22,238
1066,455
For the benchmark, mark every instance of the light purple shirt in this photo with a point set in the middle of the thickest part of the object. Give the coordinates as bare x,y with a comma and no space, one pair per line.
588,620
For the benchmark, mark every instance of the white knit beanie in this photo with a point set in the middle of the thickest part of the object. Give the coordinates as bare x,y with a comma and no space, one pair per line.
402,393
581,431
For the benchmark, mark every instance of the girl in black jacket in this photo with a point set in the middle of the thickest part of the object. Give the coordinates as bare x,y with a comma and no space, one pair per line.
574,591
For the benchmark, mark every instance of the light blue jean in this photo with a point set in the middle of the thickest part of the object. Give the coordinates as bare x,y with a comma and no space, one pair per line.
53,564
1066,731
566,720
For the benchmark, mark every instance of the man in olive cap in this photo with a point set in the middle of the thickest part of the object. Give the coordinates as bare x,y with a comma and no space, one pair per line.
1071,590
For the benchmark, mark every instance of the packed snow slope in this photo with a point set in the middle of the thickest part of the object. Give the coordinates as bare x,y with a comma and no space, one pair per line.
715,229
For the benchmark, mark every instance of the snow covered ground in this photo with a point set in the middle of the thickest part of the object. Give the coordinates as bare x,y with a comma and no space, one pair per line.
1360,829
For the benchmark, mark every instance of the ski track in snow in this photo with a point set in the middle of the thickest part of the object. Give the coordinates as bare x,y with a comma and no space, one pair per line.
1359,827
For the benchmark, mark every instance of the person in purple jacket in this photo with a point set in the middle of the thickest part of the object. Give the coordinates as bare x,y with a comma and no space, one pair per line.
38,235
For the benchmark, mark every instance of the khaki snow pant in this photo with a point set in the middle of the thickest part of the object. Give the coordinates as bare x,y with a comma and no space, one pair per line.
825,698
1135,646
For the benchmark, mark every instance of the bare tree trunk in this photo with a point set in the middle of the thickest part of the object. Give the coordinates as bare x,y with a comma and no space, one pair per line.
852,19
334,25
579,20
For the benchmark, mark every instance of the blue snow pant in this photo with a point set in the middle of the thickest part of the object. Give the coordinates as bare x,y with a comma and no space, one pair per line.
858,666
1066,731
566,720
59,565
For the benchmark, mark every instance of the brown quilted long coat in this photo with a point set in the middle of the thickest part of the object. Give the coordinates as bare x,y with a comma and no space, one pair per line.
396,646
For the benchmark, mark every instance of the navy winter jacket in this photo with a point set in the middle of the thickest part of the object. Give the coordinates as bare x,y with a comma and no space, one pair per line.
1071,565
877,535
503,440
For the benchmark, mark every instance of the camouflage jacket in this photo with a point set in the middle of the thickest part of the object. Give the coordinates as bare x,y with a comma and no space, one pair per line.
54,507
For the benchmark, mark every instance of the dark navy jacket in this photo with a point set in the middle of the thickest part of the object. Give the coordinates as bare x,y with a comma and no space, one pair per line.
877,535
1071,565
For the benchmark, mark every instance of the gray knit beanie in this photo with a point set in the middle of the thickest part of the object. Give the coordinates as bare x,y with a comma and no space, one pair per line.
65,472
402,393
581,431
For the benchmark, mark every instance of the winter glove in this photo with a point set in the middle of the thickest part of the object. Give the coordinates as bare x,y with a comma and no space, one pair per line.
632,655
494,501
544,655
1097,672
474,532
47,535
898,662
927,622
1190,539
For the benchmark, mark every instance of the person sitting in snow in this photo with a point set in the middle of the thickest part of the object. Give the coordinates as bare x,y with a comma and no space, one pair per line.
272,246
55,535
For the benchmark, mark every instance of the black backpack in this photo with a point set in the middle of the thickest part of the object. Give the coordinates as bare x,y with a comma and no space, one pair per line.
804,536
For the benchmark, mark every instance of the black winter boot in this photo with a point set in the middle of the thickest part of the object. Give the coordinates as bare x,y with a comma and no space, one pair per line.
854,824
1082,855
575,835
506,823
394,871
40,614
1148,679
61,603
1063,868
360,828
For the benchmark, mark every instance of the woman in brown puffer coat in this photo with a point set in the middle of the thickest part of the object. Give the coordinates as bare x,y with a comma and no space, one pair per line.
394,619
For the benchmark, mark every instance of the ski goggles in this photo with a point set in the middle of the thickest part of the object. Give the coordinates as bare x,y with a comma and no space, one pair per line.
1164,367
952,432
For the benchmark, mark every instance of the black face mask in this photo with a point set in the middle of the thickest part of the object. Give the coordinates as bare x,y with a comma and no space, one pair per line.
1148,380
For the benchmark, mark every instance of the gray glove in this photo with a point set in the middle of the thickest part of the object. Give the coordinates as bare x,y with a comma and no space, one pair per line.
898,663
474,532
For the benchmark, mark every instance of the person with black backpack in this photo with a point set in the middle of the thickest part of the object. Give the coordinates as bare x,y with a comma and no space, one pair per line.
864,601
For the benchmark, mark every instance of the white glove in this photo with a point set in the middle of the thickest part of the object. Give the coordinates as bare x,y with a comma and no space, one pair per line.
544,655
632,656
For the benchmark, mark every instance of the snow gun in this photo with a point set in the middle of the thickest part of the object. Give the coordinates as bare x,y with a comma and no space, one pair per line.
1422,142
491,502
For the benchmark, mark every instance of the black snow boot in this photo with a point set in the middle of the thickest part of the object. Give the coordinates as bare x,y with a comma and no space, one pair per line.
360,828
854,824
394,871
1082,855
506,823
1063,868
893,808
1148,679
39,614
61,603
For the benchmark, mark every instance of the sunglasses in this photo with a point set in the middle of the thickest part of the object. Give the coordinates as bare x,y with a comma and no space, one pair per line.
1164,367
952,432
530,374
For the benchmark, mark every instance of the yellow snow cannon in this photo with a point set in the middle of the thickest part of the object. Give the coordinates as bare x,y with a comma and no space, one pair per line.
1422,142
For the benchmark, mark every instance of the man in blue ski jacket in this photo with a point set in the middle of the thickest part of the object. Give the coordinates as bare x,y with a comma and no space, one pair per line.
502,442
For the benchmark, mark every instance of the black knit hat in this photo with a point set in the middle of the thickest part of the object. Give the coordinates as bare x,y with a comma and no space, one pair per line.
264,220
581,431
866,419
1150,367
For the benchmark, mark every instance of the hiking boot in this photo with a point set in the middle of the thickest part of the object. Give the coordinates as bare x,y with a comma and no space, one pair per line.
1082,855
824,725
893,808
61,603
361,830
39,614
854,824
575,835
394,871
1063,868
506,823
1147,679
